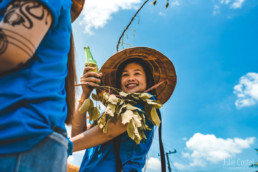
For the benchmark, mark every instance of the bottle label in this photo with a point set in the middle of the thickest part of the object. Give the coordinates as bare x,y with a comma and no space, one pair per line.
92,65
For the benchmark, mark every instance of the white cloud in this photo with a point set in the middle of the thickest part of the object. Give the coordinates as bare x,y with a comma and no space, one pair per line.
247,90
208,148
179,166
175,3
184,138
162,14
153,163
96,13
216,10
233,4
237,4
225,2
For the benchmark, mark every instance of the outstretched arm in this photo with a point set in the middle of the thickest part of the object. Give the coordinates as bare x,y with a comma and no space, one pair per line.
95,136
22,28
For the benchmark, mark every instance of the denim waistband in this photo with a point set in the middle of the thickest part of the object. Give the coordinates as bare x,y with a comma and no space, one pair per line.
59,138
60,131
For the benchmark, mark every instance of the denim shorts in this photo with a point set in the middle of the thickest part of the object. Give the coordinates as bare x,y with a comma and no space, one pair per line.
50,155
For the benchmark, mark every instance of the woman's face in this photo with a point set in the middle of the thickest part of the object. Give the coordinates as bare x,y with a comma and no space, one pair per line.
133,78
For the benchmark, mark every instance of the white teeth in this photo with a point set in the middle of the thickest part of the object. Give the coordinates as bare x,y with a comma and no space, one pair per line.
131,85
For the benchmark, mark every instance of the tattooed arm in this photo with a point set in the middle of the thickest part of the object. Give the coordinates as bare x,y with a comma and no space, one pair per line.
24,25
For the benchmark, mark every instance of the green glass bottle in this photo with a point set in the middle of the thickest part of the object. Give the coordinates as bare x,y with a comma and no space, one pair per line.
89,60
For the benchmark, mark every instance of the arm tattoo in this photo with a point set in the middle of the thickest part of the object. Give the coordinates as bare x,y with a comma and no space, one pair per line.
10,37
22,12
3,42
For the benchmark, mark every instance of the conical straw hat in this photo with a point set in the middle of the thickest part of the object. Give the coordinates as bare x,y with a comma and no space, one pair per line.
76,9
161,67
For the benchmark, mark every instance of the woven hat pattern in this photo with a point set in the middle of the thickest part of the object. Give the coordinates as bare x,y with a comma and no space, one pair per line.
76,9
160,66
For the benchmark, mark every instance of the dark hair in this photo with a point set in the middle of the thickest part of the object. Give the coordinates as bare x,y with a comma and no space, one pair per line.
70,81
146,67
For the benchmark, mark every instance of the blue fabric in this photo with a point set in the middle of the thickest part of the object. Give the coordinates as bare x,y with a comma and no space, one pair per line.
132,155
48,156
33,98
70,147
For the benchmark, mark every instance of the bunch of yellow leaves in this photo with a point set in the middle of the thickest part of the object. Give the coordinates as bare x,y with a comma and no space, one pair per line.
124,106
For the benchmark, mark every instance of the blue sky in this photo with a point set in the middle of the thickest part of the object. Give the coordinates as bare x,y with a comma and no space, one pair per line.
211,119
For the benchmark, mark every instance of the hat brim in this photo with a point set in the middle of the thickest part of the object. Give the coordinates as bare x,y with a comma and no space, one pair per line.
76,9
161,67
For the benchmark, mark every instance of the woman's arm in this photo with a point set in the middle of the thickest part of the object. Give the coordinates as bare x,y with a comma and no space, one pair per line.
88,81
95,136
81,138
22,28
79,119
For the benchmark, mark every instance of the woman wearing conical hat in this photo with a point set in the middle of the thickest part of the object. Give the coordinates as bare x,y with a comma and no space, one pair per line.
36,83
148,77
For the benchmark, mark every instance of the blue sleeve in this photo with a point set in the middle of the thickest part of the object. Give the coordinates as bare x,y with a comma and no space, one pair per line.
56,7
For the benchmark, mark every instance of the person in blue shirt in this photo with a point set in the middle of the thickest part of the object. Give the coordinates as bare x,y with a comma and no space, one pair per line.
36,83
133,70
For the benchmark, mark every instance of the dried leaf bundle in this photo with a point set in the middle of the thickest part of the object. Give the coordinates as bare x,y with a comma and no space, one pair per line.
124,106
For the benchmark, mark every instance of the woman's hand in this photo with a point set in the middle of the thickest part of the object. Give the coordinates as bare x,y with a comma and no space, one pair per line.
89,80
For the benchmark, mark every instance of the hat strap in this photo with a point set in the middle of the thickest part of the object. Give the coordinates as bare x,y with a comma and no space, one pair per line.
155,86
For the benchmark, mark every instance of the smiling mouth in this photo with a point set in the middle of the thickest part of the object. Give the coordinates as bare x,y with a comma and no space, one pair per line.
131,85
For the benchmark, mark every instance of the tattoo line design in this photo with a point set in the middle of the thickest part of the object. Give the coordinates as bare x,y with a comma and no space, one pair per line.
22,12
17,40
3,42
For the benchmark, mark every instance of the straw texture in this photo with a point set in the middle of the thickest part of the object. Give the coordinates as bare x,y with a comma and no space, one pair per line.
76,9
160,66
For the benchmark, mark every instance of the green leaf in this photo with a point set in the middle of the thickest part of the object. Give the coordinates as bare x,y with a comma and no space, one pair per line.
142,134
127,116
105,97
123,94
94,97
131,107
147,127
110,110
85,105
145,96
133,132
113,99
137,140
135,97
155,117
91,113
147,109
154,103
137,119
95,115
144,125
102,121
122,109
130,130
105,129
130,101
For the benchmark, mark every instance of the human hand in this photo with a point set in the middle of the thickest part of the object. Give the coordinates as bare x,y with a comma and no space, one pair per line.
89,80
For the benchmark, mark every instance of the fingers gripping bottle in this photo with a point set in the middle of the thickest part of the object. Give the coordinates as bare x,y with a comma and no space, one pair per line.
89,60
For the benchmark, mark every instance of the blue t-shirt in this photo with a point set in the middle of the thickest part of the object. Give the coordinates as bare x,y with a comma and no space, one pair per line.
33,98
132,155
